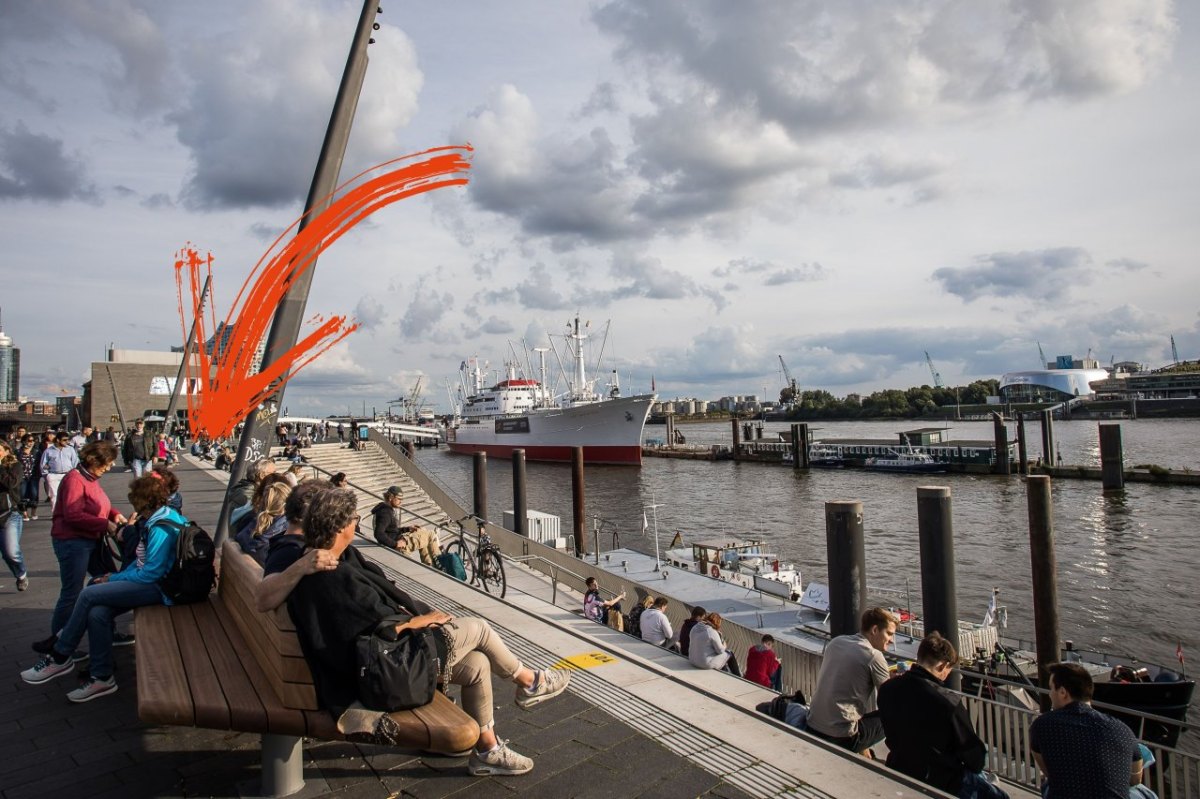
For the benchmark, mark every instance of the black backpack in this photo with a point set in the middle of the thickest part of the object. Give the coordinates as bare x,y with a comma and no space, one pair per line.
193,573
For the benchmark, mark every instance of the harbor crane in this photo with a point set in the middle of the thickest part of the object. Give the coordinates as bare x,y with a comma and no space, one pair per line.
789,395
1043,364
937,377
1174,351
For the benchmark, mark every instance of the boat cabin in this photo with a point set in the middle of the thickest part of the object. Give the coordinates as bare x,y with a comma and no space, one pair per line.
728,553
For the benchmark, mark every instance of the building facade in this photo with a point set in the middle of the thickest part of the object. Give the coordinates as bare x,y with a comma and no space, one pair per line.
10,369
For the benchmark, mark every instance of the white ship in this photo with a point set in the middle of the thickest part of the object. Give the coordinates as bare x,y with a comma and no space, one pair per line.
522,413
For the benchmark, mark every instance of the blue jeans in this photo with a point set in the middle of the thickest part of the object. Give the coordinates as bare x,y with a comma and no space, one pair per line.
29,492
73,555
10,542
975,786
94,612
139,467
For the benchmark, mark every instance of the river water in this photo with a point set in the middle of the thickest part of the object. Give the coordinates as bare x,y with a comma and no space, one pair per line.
1127,562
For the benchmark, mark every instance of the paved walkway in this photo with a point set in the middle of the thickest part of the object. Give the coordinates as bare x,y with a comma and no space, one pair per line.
100,749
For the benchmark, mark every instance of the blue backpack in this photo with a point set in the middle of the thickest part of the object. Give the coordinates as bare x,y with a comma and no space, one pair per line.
452,564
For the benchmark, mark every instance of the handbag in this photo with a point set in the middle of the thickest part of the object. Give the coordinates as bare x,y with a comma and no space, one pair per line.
396,672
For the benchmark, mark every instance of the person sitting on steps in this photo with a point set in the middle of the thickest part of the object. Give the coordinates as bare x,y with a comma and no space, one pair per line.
408,538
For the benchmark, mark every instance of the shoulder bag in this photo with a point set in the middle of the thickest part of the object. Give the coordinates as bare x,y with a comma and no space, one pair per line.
396,672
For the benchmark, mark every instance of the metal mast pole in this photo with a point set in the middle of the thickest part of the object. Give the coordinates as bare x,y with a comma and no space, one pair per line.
169,422
285,329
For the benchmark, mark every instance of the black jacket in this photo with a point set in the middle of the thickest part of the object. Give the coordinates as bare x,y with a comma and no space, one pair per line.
11,477
139,446
387,530
929,734
330,610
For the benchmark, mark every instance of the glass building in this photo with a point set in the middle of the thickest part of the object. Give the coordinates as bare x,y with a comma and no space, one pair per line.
10,369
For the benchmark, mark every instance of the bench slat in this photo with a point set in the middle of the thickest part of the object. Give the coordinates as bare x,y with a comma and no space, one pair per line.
246,712
163,696
212,711
280,719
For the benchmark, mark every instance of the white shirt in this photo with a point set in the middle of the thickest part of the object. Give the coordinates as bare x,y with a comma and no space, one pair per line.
656,627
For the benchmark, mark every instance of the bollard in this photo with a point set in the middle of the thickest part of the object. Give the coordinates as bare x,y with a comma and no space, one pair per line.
1045,581
1022,451
737,441
1112,457
410,450
520,508
939,597
796,463
758,432
845,552
804,446
480,464
1001,432
577,496
1048,438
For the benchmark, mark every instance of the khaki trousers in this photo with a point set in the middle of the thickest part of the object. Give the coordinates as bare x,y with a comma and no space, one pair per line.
476,653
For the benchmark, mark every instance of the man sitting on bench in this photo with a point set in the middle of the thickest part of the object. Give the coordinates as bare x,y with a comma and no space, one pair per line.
331,609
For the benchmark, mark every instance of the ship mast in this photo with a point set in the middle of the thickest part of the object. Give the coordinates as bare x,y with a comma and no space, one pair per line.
580,387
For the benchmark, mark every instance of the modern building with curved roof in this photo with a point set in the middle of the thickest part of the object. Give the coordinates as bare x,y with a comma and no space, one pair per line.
1049,385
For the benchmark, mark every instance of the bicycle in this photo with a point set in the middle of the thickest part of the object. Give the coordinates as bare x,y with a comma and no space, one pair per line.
485,562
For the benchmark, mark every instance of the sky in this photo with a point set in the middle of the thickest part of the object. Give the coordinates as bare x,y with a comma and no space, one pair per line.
847,184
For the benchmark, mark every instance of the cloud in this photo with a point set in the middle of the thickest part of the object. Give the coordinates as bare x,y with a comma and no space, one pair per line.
537,291
370,313
34,166
776,275
1032,274
1127,264
256,111
422,319
723,355
158,200
492,326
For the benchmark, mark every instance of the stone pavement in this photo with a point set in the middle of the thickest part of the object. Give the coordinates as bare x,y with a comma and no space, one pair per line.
49,746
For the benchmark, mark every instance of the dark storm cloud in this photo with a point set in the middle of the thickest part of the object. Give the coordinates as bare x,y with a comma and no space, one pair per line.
34,166
1031,274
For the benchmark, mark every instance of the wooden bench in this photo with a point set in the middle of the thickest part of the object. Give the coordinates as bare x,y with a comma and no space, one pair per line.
223,665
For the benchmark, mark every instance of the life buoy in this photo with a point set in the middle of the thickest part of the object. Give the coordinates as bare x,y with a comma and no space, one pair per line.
715,571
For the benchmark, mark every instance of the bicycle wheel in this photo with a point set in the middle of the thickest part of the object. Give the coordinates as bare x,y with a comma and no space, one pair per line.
492,575
458,547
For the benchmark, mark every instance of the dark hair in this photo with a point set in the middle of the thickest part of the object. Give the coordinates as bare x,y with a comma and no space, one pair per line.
589,582
298,501
699,613
328,512
876,617
97,454
338,480
661,602
168,477
147,494
768,639
935,649
1074,678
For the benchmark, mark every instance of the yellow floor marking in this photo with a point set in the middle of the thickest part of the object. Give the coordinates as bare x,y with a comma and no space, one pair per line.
587,660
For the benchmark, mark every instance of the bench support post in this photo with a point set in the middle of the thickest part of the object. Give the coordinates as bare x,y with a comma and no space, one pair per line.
282,765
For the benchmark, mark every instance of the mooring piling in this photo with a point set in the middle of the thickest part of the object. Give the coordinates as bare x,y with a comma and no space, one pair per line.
939,597
520,503
1112,457
577,486
480,484
1044,572
846,554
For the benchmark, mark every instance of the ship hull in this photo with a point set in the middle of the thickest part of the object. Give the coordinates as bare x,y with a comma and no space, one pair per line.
610,432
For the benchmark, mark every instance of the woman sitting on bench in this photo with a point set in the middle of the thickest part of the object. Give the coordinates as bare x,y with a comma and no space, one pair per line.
331,609
110,595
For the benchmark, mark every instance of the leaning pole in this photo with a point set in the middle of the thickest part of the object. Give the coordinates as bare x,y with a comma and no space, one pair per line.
285,327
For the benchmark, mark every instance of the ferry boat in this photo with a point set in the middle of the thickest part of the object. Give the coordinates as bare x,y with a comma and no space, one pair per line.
908,462
521,413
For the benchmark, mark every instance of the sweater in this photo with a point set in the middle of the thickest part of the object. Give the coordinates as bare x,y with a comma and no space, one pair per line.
83,510
706,649
761,663
330,610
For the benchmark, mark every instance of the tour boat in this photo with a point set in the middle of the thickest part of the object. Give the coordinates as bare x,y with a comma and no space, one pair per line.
741,562
522,413
909,462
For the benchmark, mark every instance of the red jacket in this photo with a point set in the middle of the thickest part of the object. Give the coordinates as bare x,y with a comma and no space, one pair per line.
761,663
82,509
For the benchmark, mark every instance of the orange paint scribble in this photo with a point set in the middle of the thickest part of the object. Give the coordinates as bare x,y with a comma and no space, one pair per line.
230,389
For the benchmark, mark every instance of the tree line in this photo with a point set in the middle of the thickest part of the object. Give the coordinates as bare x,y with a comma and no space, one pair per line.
891,402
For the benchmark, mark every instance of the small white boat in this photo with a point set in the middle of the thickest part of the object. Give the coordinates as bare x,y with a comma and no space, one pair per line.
741,562
910,461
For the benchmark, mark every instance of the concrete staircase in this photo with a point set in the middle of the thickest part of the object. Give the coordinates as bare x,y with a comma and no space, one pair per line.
370,473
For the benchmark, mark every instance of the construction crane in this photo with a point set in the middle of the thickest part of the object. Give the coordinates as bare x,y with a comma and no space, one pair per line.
1174,351
789,395
1042,365
937,378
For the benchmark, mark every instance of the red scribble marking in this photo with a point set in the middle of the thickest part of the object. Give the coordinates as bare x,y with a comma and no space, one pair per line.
229,392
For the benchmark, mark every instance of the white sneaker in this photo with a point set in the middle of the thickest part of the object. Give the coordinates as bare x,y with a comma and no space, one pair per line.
550,683
500,762
92,689
45,670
